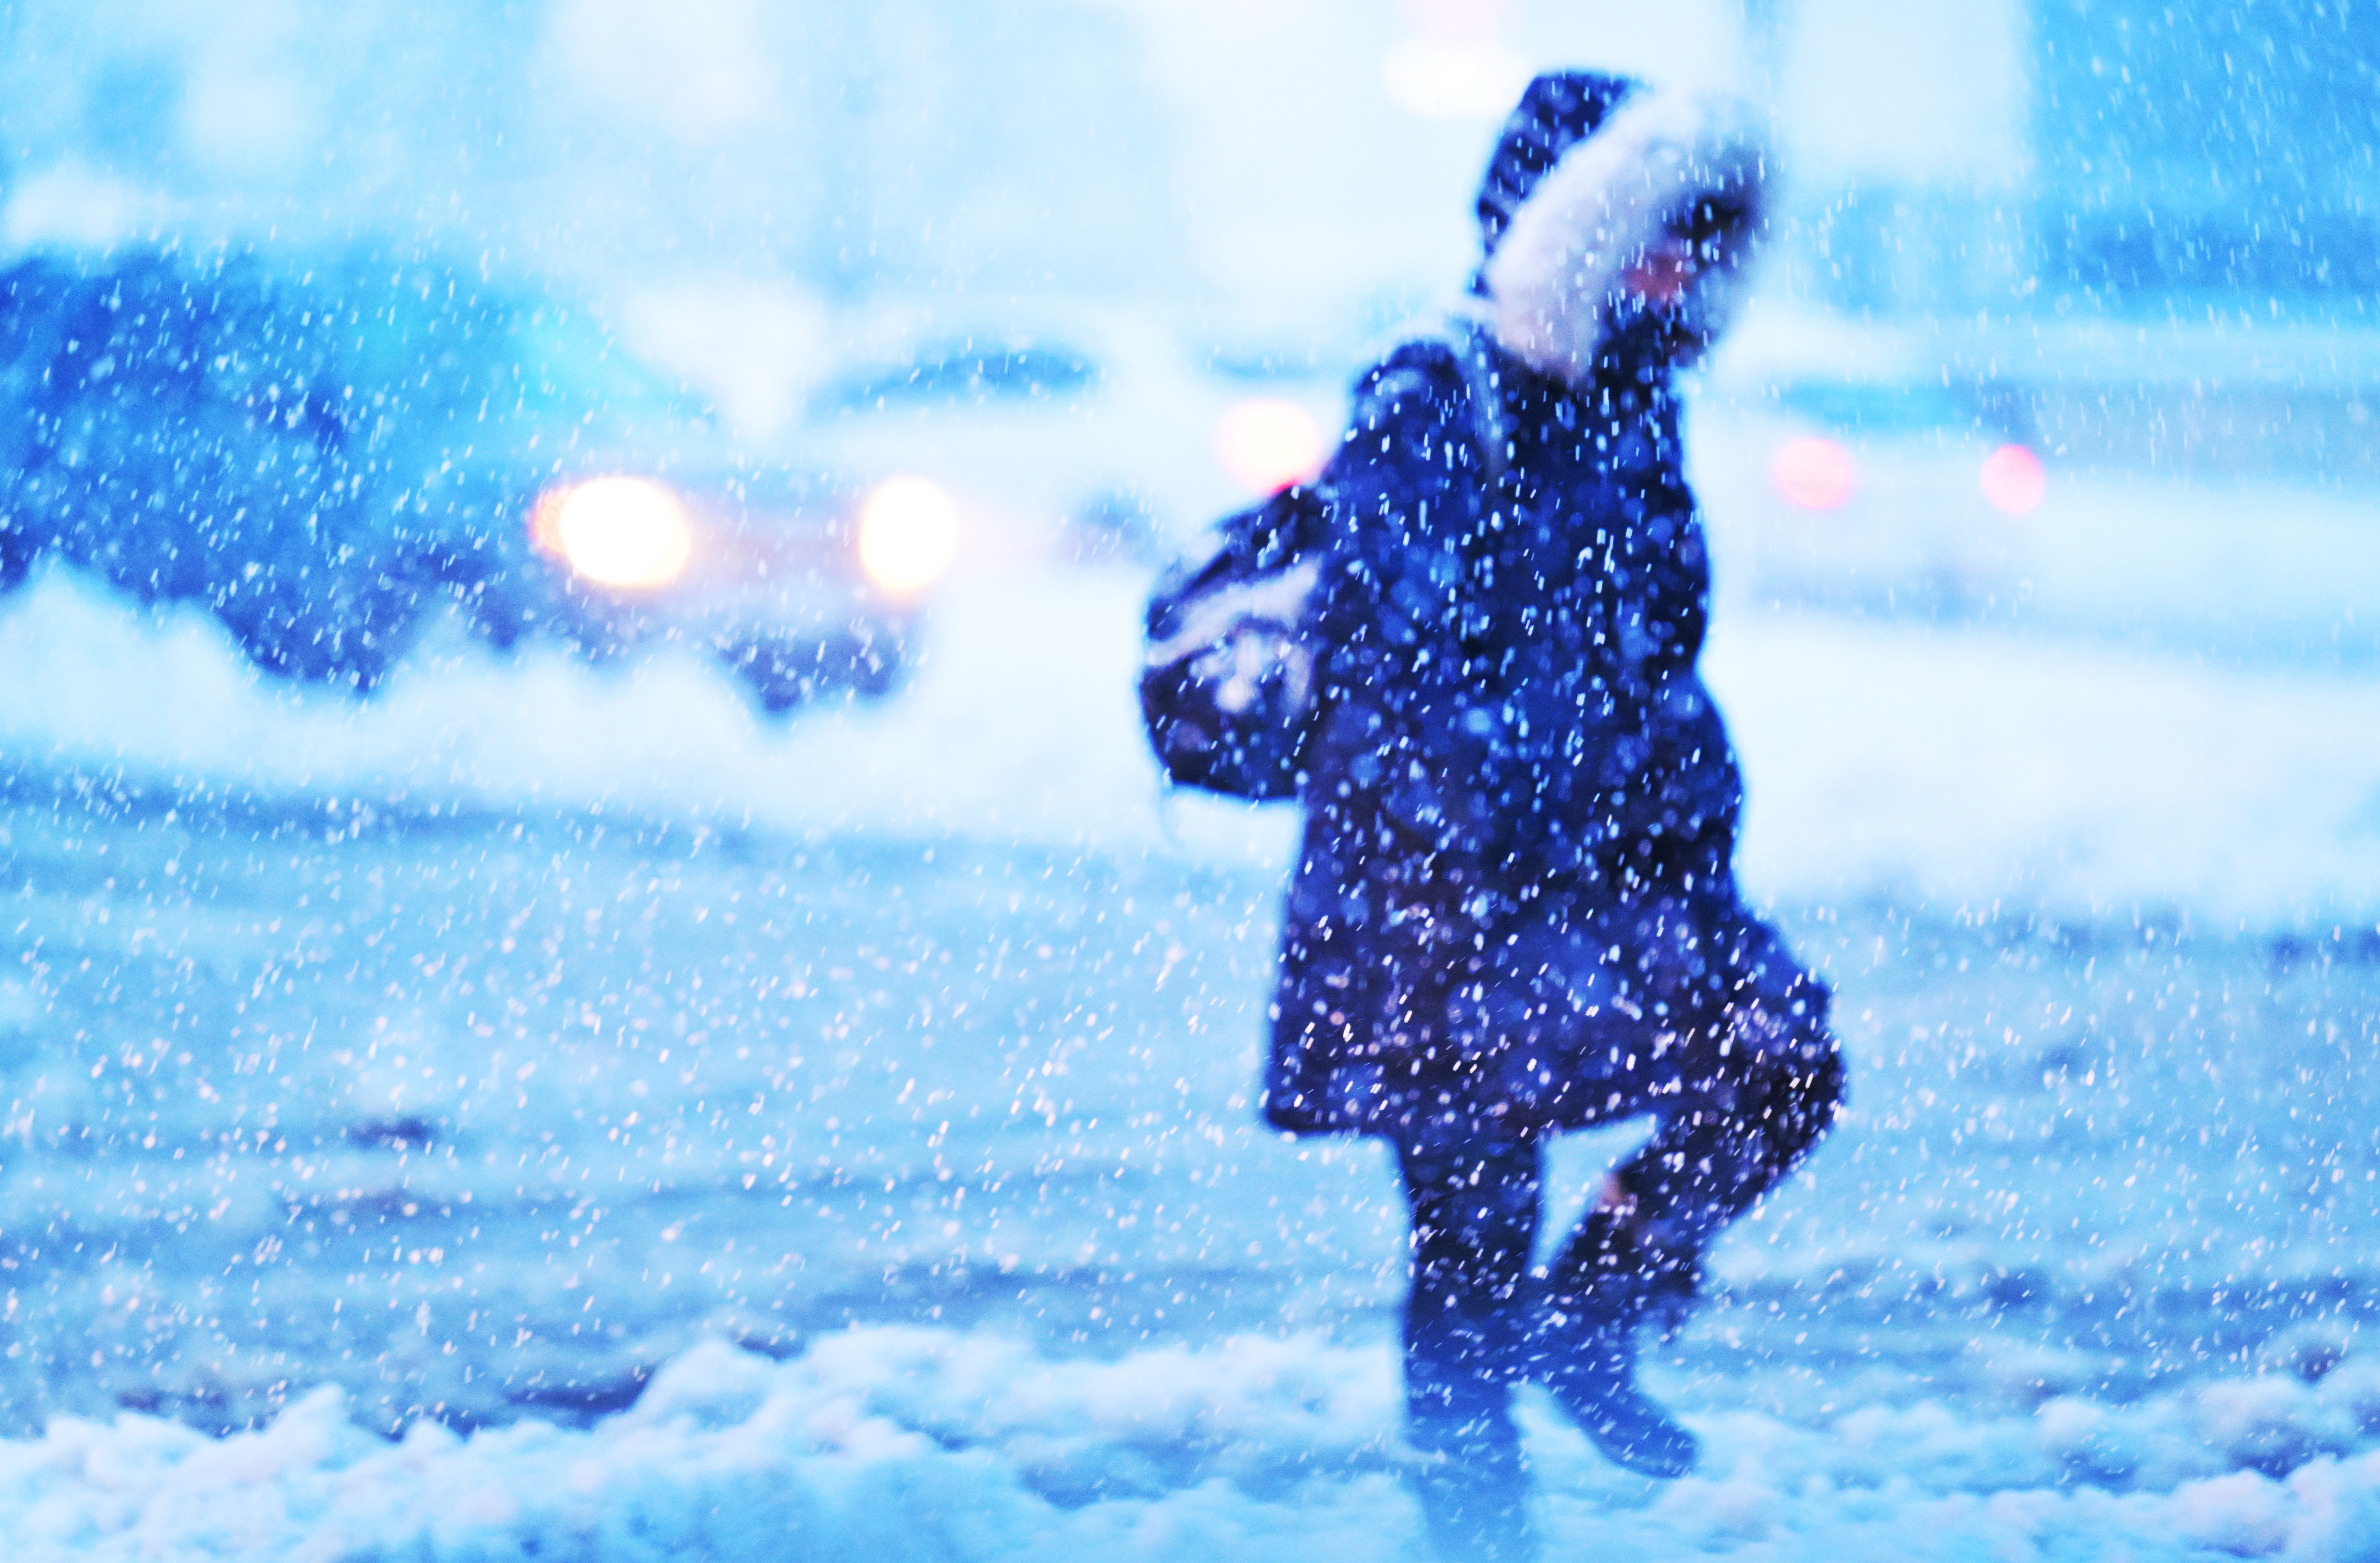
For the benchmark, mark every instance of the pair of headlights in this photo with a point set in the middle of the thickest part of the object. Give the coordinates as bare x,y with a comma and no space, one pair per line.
636,534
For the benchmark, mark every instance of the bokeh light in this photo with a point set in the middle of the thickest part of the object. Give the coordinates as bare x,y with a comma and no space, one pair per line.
2013,480
628,533
908,535
1815,473
1266,444
1438,80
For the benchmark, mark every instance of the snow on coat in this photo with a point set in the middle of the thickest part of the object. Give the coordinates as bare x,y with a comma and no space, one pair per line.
1515,900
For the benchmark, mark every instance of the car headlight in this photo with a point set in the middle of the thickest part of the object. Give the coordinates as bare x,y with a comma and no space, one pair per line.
908,535
1267,443
629,533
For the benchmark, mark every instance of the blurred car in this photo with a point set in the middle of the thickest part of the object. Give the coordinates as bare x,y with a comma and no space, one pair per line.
1072,430
1904,494
321,452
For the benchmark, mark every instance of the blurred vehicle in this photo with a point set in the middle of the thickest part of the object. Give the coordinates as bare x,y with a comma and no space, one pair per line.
1900,494
1074,430
321,452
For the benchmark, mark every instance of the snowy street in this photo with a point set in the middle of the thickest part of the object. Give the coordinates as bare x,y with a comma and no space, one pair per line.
499,1111
597,963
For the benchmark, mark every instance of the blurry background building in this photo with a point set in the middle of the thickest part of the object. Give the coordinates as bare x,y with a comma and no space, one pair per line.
2097,153
2116,155
1297,174
854,148
2193,155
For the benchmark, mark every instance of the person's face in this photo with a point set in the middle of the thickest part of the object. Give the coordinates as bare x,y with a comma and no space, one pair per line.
1653,317
1662,274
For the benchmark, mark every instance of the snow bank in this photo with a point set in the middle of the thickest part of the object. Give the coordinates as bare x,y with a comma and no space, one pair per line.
1958,767
928,1444
1970,768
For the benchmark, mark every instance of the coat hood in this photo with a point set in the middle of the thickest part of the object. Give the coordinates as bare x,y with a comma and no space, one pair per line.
1661,161
1560,109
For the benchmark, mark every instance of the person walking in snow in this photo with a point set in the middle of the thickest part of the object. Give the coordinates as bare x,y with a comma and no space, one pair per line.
1515,911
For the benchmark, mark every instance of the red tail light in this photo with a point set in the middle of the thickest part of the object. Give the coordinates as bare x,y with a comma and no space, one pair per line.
1814,473
2013,480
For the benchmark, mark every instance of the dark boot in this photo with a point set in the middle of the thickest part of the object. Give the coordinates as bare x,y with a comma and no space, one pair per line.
1467,1323
1470,1483
1595,1384
1606,1284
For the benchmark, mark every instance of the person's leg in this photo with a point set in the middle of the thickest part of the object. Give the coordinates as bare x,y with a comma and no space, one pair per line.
1707,1163
1475,1207
1766,1084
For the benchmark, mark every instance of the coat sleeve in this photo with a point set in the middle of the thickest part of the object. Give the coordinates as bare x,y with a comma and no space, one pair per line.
1404,496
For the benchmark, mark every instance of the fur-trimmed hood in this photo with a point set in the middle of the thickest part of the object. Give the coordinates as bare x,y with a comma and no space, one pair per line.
1552,278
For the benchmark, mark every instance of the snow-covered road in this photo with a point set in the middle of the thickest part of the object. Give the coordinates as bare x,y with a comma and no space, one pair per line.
705,1140
491,1117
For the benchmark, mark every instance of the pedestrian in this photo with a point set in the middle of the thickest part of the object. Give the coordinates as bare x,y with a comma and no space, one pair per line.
1515,912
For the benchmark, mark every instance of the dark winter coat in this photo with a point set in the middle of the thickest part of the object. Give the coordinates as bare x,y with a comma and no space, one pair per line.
1515,897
